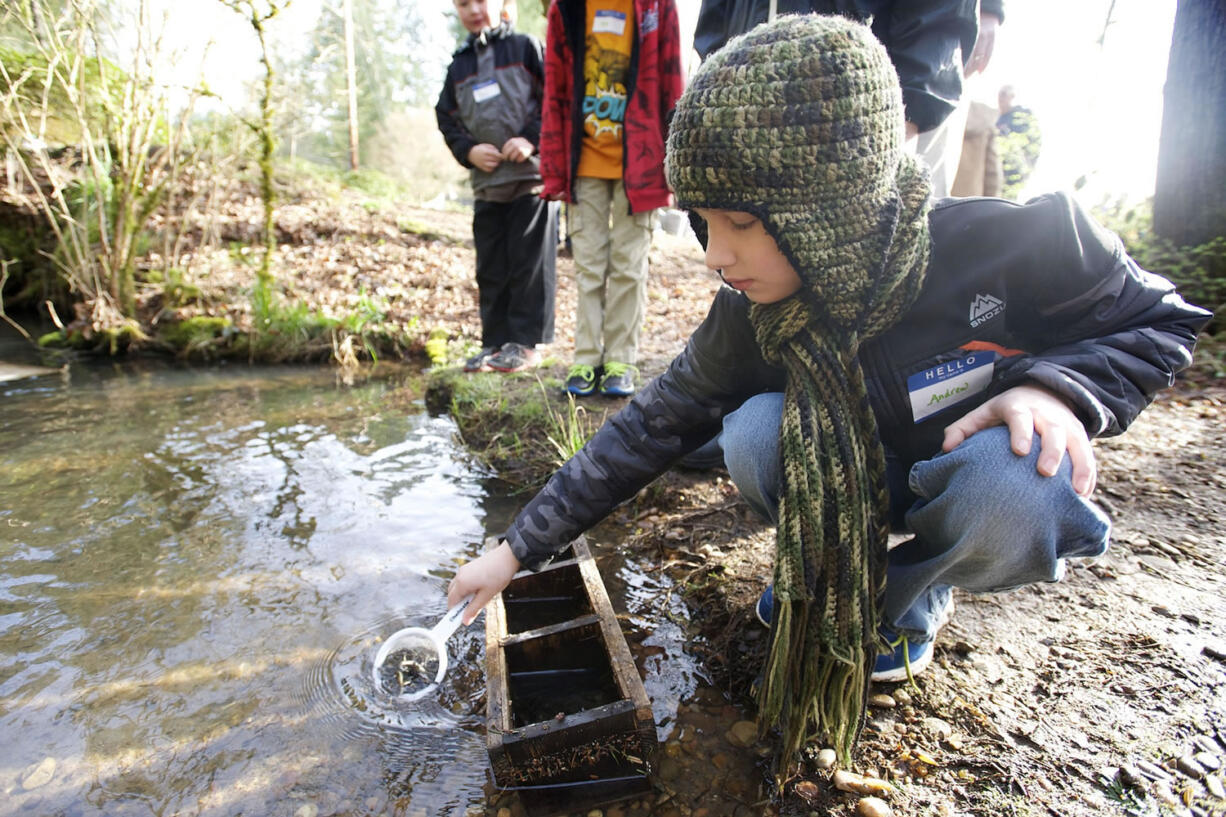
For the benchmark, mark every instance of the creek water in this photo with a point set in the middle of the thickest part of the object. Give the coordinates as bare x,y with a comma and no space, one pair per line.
196,568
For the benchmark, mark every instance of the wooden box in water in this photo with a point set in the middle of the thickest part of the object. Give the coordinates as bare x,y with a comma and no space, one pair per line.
569,724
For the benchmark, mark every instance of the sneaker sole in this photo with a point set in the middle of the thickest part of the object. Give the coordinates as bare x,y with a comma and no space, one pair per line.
900,673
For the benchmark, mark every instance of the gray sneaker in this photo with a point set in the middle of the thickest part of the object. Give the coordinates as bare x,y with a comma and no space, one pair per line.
515,357
618,380
480,361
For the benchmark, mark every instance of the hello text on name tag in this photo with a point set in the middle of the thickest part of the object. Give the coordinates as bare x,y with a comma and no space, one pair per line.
949,383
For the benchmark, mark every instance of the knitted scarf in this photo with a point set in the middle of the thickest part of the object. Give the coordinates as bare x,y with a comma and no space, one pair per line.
800,122
830,545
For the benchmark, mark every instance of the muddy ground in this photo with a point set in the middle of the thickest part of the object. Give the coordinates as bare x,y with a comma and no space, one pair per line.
1102,694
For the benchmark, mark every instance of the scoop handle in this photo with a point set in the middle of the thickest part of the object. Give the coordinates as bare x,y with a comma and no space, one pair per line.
448,623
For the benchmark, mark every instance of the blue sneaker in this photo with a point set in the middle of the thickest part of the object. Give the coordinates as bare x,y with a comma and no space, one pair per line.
908,659
766,606
618,380
581,380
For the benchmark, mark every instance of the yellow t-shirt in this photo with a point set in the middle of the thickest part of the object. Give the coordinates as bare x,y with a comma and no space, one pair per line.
606,67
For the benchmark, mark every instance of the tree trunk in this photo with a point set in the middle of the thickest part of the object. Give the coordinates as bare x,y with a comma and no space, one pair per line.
351,86
1190,195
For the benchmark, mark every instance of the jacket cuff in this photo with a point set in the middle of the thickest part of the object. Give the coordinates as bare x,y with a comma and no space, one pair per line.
527,559
1080,400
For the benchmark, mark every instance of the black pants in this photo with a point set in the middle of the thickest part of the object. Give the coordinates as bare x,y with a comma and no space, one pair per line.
517,247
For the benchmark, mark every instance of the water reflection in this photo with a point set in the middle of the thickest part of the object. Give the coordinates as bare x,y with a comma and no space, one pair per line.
193,565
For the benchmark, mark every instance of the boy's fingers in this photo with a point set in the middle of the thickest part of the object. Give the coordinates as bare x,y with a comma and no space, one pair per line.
1053,443
1085,471
474,607
966,426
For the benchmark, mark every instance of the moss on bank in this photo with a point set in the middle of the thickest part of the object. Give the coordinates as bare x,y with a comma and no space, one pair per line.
522,425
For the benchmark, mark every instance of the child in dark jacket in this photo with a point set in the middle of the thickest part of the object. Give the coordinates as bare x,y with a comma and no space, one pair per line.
489,112
876,362
612,75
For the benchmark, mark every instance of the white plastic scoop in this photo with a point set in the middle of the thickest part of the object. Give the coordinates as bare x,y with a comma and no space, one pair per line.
411,651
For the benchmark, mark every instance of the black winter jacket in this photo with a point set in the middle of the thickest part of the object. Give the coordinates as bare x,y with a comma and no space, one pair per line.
1013,294
928,40
493,91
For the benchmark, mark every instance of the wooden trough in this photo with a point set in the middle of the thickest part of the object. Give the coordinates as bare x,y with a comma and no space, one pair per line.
568,722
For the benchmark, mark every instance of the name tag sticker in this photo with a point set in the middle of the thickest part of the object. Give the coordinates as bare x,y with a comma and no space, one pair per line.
485,91
949,383
609,22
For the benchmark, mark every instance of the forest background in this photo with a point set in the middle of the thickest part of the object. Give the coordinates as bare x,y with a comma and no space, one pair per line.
133,129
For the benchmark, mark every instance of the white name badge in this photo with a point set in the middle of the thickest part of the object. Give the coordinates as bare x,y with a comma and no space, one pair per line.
485,91
949,383
609,22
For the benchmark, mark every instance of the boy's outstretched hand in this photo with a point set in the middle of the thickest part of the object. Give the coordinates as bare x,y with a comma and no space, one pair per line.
1025,410
484,577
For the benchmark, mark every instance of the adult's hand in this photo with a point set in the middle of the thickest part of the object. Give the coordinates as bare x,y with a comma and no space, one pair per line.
1025,410
484,157
517,149
981,54
484,577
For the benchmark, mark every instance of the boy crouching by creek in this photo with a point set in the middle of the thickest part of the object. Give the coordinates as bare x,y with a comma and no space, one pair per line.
876,361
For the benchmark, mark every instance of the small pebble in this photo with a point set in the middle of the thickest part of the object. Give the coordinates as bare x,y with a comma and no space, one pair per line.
858,784
938,728
1130,776
807,789
307,810
1188,765
873,807
38,775
882,701
1216,651
1208,761
902,696
1207,744
595,813
826,759
743,734
1214,784
1151,771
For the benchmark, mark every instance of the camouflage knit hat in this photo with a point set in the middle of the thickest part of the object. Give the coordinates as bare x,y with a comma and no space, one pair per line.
799,122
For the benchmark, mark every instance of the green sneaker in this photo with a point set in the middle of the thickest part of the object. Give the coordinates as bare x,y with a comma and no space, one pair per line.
618,380
581,380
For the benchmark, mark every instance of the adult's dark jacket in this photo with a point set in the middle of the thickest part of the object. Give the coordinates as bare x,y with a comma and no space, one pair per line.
927,40
1041,287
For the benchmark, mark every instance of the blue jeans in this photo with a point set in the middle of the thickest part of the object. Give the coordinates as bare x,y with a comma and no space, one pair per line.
981,518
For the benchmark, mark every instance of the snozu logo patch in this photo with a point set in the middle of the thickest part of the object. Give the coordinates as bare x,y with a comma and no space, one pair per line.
984,308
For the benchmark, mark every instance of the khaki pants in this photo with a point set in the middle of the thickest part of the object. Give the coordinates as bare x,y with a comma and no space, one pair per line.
610,248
